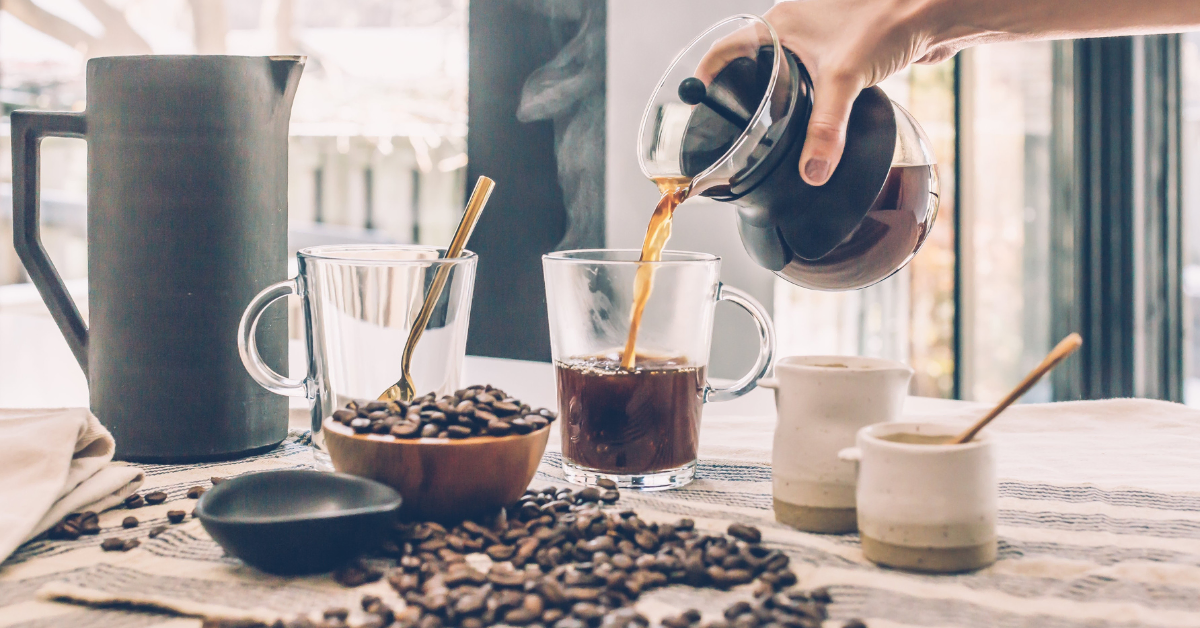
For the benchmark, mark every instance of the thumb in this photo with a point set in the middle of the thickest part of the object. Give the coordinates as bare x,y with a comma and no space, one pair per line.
833,96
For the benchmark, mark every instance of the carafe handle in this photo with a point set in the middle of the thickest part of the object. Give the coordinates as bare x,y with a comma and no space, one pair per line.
28,129
248,348
766,346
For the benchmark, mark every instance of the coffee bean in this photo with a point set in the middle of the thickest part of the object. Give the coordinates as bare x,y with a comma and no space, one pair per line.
195,492
746,533
129,522
504,408
587,611
157,530
501,552
134,501
89,523
429,431
114,544
520,426
337,614
589,494
361,425
408,429
854,623
606,484
458,431
176,516
356,574
498,428
156,498
64,531
610,496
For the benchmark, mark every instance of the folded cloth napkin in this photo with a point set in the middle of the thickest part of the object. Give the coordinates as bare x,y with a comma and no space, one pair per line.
53,463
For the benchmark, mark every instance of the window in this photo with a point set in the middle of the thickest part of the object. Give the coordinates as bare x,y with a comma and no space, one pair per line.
1190,70
909,316
378,130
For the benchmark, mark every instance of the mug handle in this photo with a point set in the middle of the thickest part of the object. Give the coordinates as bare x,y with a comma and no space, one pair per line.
28,129
248,346
766,346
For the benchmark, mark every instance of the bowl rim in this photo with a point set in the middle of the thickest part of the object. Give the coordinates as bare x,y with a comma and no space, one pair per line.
203,513
387,439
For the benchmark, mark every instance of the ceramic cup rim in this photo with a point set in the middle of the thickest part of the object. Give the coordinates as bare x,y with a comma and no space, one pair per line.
344,254
852,364
871,434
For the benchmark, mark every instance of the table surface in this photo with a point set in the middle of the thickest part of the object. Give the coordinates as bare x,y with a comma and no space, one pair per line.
1099,526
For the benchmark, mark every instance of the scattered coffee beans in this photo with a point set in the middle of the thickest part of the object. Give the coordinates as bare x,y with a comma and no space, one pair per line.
474,411
195,492
134,501
129,522
175,516
156,498
119,545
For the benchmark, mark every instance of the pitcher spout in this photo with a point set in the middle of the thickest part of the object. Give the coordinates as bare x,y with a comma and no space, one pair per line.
285,72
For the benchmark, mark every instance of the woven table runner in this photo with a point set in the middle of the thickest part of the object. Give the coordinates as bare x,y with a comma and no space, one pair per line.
1071,553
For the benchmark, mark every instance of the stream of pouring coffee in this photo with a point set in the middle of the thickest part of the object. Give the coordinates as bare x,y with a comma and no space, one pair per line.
674,191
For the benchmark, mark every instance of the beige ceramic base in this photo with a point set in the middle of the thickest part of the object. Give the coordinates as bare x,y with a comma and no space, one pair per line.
813,519
929,559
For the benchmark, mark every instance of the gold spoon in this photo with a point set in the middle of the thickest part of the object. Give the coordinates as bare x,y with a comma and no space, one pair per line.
1065,348
403,390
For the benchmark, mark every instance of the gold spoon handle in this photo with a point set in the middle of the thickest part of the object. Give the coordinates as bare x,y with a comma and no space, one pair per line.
1065,348
479,198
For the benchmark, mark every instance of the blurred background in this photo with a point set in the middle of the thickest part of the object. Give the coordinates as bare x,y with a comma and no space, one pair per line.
395,91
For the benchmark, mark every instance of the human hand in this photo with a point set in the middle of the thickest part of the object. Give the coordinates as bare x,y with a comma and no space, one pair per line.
846,45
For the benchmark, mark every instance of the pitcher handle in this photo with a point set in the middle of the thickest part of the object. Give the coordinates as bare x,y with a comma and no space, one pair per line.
248,345
766,346
28,128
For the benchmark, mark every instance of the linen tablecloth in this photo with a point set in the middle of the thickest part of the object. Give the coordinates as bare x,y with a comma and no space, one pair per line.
1099,527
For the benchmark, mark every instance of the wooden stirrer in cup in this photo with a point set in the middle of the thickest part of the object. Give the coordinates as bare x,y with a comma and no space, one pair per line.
1064,349
403,389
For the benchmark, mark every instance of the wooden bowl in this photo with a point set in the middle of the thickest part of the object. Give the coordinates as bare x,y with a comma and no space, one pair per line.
439,478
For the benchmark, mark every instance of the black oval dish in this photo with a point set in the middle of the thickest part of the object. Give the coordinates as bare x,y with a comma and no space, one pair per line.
296,522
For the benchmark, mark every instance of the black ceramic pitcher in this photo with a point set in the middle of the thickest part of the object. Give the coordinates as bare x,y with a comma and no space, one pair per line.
187,221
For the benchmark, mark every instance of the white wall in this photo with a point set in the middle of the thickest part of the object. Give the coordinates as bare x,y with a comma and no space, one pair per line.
643,37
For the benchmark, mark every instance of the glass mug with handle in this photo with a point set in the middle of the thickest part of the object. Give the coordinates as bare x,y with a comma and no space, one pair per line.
638,426
360,302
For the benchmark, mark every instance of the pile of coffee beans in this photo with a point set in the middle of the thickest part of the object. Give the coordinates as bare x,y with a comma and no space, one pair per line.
474,411
560,560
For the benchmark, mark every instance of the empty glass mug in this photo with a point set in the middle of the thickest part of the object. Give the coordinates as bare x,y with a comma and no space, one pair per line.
360,302
638,426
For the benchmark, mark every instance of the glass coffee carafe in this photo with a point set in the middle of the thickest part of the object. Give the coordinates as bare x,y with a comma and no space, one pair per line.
730,116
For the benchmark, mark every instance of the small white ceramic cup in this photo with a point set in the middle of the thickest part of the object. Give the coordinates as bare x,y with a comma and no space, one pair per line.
925,507
822,402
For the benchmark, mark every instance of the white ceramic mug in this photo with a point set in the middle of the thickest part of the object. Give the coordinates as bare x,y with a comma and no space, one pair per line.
822,402
925,507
